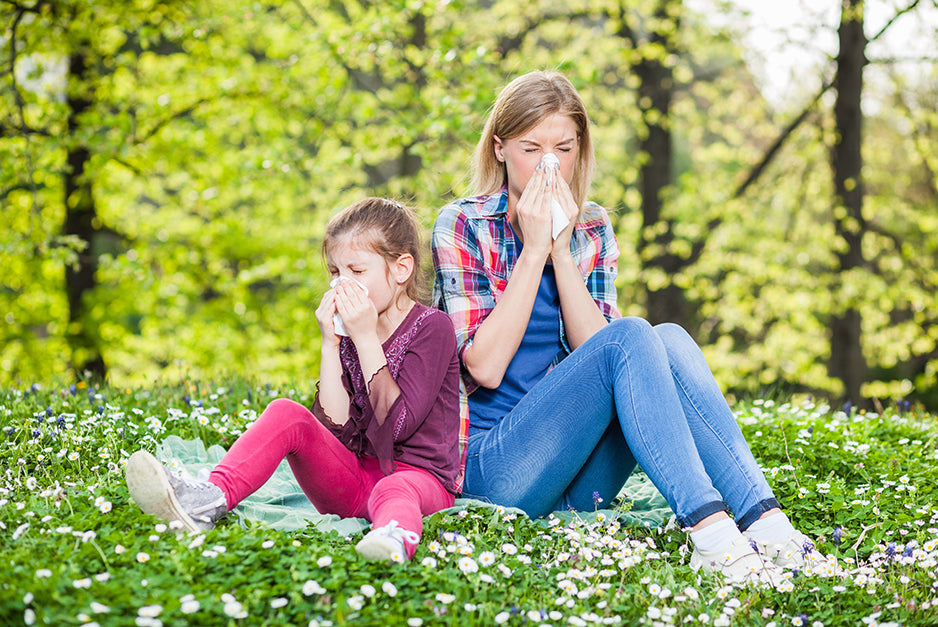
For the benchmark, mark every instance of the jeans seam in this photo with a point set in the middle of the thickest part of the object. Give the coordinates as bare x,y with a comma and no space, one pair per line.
702,512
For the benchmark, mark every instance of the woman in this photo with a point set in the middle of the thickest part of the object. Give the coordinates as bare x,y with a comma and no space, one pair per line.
565,396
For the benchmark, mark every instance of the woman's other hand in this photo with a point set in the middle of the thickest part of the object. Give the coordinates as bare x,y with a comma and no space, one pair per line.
560,191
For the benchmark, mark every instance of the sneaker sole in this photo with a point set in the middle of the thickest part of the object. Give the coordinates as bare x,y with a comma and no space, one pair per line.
150,490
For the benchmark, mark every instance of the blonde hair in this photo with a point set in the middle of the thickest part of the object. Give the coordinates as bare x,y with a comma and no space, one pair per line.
521,105
391,229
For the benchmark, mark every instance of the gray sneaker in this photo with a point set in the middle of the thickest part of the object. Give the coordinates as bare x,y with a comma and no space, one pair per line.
386,543
170,496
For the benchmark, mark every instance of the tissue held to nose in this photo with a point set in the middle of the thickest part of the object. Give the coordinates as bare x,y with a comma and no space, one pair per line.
559,220
550,159
336,318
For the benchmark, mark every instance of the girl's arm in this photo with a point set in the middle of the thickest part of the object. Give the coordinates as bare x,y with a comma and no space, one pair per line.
360,319
332,395
401,407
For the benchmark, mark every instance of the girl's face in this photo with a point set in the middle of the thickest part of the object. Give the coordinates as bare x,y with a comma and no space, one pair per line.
556,133
355,260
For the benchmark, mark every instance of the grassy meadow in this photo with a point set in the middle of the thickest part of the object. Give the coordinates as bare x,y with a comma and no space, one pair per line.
76,551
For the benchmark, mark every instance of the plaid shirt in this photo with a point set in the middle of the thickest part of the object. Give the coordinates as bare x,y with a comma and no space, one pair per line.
474,253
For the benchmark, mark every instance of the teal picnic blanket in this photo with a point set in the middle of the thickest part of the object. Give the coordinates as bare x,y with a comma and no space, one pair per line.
281,504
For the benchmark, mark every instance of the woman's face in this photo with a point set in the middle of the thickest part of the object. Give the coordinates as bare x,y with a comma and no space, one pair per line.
556,134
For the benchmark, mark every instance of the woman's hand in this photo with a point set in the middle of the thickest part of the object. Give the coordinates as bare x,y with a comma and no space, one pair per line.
358,313
324,316
561,192
533,213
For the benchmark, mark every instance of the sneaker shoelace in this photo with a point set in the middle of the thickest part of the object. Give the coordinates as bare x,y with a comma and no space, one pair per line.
182,479
399,533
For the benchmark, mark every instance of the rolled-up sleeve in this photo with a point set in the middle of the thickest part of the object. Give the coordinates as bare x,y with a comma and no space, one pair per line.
461,285
601,282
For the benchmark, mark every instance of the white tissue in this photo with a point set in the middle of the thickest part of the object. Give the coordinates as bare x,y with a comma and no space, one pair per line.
336,318
559,220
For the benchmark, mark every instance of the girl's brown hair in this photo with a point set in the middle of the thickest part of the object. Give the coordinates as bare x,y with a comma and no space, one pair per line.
523,104
388,227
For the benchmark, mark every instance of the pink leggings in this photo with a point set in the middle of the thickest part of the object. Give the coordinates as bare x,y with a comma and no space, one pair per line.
334,479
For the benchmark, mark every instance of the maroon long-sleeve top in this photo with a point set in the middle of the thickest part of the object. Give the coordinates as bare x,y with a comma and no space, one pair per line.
420,416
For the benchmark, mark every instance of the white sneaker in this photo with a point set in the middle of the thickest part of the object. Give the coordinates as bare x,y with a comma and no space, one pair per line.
795,552
170,496
386,543
739,564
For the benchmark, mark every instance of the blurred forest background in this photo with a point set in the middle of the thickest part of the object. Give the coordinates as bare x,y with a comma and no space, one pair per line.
167,167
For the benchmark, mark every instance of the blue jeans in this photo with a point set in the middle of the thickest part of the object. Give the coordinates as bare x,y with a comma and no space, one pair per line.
631,393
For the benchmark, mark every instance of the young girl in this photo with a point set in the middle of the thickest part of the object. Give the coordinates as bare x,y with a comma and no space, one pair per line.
564,395
382,439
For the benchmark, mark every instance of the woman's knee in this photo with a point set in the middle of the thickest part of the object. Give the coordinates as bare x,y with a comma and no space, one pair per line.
631,332
671,332
630,328
677,340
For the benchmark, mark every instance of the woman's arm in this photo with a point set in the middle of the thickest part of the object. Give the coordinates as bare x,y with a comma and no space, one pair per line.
499,336
581,317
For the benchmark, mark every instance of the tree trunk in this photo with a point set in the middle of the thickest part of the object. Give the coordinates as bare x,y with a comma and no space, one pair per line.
407,164
655,93
81,222
847,362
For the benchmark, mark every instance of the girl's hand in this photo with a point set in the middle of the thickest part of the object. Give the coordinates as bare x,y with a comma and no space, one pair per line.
533,213
324,316
358,313
561,192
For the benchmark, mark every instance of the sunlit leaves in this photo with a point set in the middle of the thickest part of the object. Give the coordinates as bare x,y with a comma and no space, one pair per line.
223,135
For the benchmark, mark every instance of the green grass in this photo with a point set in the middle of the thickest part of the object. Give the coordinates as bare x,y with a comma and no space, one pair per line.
74,550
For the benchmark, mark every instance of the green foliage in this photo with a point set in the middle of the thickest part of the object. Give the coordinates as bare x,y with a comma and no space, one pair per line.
77,550
222,135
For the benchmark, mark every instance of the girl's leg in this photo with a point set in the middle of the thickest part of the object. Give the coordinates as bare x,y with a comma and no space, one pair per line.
329,474
531,458
406,496
720,443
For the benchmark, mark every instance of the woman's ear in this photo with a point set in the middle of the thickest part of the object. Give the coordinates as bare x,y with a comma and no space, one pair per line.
497,144
403,268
